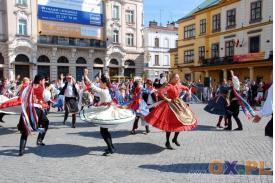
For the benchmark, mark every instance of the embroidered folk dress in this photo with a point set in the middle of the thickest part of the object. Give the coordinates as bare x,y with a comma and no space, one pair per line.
106,114
175,116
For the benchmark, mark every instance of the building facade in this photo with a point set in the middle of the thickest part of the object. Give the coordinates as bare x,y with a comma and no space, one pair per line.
47,37
124,35
158,40
213,39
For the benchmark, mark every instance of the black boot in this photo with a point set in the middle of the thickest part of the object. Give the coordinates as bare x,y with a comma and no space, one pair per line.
168,145
110,149
175,139
73,120
147,129
65,118
22,146
40,138
1,117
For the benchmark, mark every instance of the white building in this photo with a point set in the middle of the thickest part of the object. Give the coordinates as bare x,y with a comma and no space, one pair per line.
106,40
158,40
124,32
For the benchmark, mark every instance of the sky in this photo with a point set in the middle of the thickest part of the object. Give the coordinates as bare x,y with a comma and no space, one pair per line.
171,10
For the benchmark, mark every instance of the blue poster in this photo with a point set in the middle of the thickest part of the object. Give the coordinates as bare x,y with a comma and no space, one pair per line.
69,16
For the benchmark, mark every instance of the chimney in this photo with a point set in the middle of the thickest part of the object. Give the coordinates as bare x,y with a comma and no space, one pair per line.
171,25
153,24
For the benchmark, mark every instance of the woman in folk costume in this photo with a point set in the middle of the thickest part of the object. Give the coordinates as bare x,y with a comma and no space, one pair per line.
235,101
71,97
86,97
122,98
218,105
12,105
33,116
138,105
106,114
172,114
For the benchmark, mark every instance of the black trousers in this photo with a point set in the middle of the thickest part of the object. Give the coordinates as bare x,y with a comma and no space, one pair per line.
233,111
107,137
269,128
43,122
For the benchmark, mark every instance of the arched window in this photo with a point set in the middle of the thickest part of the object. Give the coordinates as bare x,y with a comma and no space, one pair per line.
43,59
129,63
62,59
98,61
1,59
156,42
114,62
81,60
22,58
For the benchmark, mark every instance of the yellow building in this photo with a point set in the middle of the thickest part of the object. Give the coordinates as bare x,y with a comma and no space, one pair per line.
220,35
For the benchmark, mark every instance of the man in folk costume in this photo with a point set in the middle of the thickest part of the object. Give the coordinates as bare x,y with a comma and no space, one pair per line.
234,105
267,110
71,97
172,114
33,116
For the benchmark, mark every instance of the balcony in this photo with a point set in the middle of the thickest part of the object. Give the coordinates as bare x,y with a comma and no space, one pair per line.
217,61
54,40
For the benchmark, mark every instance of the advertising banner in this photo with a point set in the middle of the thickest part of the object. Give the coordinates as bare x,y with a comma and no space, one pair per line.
71,18
69,30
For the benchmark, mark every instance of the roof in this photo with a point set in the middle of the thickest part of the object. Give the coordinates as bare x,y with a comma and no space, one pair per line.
205,4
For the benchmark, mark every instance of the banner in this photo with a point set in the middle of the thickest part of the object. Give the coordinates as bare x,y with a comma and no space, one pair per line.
69,30
71,18
249,57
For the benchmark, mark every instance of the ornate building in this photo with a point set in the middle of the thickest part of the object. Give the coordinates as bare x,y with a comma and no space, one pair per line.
48,37
124,32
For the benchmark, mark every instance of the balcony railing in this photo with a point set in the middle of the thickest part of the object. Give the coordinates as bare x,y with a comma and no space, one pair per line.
71,42
217,61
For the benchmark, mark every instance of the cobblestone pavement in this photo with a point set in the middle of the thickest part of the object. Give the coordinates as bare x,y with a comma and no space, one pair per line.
74,155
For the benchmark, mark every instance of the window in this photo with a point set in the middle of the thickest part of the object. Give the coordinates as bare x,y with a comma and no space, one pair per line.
201,53
115,36
216,23
166,43
157,42
202,26
256,11
176,43
166,60
22,27
229,48
115,12
156,59
215,50
188,56
254,44
189,31
231,18
130,39
130,16
21,2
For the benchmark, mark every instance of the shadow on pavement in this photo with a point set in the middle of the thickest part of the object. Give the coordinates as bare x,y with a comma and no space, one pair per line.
6,131
204,168
205,128
96,134
69,151
135,148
